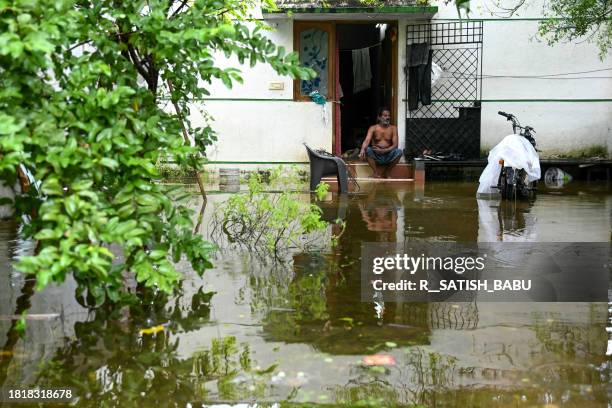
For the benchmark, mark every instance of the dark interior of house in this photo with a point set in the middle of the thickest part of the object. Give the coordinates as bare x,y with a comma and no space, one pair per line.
359,102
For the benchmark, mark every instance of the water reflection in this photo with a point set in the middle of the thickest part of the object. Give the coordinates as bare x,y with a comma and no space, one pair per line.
296,331
506,221
113,358
323,310
379,212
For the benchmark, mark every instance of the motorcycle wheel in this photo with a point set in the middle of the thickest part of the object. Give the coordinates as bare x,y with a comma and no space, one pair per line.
526,189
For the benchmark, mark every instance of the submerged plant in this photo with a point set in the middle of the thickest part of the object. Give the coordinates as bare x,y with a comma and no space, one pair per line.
271,220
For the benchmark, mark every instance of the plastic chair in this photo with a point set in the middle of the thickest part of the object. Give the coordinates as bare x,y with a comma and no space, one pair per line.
322,164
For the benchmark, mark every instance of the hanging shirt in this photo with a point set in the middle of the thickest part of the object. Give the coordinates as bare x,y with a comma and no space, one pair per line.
362,73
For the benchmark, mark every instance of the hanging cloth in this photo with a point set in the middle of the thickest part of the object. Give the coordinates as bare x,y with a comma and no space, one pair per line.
319,99
362,72
419,75
417,54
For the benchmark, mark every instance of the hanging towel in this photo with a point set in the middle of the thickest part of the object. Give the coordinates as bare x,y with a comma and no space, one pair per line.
362,73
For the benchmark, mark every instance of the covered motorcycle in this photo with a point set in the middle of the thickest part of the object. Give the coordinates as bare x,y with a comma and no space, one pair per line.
514,152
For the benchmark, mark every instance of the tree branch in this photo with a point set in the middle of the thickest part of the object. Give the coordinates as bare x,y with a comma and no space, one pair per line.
179,113
180,7
137,63
506,12
79,44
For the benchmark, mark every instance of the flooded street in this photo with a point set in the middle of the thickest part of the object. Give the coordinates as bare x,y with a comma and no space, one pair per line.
295,330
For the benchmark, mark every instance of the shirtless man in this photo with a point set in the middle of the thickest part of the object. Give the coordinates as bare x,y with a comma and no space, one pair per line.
383,152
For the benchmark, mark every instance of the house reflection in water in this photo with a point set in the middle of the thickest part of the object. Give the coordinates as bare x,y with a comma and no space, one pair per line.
520,346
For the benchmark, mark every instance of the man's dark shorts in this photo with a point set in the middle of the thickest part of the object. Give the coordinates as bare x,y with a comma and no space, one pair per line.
383,159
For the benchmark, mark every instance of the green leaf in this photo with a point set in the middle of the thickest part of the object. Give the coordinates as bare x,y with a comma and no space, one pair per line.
108,162
157,254
147,199
71,205
20,326
48,234
81,185
38,41
8,125
125,226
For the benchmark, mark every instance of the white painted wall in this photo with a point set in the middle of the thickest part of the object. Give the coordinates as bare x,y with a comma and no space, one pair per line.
512,49
258,78
266,130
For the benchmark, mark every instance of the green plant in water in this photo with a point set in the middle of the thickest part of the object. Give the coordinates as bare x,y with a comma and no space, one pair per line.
321,190
173,171
587,152
372,3
335,238
272,221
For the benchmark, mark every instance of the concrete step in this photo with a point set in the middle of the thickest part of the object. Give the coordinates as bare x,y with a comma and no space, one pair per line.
363,184
402,171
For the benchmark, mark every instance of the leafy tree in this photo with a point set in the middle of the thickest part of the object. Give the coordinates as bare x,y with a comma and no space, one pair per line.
86,96
565,20
570,20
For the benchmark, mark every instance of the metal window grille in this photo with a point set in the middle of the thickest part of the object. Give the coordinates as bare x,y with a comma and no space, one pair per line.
455,315
451,123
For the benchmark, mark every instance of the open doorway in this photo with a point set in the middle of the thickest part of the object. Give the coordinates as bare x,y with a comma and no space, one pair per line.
366,79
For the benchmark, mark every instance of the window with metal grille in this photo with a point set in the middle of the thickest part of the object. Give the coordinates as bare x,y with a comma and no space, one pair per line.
451,122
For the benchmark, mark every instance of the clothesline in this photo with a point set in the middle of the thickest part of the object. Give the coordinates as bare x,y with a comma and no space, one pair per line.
361,48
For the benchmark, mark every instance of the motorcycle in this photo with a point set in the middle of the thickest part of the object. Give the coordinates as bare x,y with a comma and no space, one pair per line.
513,181
514,165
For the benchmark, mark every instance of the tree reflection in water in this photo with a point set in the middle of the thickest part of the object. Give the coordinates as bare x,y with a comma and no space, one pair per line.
111,362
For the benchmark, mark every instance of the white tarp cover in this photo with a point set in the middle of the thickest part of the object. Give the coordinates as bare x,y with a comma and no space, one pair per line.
517,152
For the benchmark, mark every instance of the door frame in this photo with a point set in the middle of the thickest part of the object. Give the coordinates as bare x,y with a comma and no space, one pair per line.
334,78
336,118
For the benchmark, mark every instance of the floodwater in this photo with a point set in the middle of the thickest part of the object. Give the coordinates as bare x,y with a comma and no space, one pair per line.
295,331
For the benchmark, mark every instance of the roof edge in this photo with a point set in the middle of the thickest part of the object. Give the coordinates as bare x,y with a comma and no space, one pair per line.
345,10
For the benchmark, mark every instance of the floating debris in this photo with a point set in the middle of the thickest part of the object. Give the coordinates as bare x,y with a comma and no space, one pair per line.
152,330
39,316
281,309
292,380
379,360
401,326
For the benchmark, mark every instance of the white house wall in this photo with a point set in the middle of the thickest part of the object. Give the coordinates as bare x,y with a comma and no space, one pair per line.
256,124
267,131
576,119
568,114
258,78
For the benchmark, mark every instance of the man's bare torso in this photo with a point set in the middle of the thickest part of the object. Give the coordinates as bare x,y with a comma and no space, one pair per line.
382,136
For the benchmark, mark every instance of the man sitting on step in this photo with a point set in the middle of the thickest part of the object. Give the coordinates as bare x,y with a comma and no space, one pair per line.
384,152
